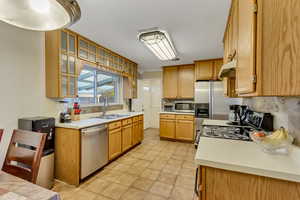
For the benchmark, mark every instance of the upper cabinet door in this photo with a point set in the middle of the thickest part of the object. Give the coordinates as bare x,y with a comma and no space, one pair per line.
186,81
63,41
217,65
170,81
245,71
72,44
204,70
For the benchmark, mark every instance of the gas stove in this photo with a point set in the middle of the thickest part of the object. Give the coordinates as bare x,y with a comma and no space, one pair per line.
230,132
252,121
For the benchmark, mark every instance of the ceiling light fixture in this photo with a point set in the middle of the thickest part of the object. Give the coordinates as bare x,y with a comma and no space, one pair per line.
40,15
159,42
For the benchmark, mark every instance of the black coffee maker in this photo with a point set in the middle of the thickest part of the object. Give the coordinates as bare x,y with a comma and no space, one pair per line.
238,114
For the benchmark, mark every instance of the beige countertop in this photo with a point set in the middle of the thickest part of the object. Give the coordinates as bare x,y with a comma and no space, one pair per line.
177,113
247,157
84,123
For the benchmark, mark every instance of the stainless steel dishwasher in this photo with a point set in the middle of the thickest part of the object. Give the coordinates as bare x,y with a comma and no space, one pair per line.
94,149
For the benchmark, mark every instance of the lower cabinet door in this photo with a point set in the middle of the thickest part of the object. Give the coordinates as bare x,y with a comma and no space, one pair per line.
115,143
126,137
141,131
167,128
135,133
185,130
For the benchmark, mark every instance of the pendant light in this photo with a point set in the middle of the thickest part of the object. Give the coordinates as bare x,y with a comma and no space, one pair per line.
40,15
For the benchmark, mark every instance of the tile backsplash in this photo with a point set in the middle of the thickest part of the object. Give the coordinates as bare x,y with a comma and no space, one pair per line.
286,112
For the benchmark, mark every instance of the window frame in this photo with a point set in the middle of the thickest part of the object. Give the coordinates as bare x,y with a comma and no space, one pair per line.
118,88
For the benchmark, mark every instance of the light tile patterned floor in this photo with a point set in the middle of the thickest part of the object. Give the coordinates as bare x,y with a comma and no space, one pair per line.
154,170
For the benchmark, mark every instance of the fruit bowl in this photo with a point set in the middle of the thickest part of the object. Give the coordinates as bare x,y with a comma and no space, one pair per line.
277,142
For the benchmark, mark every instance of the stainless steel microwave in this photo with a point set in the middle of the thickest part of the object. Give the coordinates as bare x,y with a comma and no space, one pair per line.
184,106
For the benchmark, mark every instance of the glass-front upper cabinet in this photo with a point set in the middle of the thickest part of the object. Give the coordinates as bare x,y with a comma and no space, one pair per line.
63,41
64,86
72,65
72,86
72,44
100,56
92,52
64,63
83,48
87,50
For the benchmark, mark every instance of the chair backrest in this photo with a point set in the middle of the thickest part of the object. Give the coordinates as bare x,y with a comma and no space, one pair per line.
24,154
1,133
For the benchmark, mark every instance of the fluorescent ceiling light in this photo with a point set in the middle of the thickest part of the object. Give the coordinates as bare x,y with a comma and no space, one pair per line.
159,42
40,15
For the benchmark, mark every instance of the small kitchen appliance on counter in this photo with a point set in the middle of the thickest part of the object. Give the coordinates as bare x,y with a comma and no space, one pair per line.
233,114
43,125
238,114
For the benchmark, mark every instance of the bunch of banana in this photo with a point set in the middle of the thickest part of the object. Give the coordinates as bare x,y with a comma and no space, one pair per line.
277,137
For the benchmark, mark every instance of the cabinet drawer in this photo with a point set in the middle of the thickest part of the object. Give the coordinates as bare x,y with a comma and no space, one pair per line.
167,116
141,118
114,125
135,119
185,117
126,122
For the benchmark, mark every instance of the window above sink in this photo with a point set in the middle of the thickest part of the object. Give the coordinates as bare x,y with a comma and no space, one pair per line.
93,83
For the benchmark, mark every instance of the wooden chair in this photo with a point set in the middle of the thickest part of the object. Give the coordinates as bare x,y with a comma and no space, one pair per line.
24,154
1,133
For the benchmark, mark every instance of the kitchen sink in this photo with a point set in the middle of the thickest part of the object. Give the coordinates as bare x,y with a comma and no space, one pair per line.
113,116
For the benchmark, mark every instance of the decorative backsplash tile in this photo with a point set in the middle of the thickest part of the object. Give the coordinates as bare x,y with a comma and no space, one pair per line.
286,112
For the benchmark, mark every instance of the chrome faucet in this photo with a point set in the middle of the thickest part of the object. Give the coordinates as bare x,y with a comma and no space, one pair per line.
105,104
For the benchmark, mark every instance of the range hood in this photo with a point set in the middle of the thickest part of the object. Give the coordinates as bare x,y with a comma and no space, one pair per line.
227,69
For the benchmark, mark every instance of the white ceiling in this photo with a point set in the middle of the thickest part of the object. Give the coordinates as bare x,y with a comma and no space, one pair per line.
196,27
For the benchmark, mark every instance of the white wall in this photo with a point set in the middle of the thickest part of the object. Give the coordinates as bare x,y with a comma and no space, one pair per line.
22,79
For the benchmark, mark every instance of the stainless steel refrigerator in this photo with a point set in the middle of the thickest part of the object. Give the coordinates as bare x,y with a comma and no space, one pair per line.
212,93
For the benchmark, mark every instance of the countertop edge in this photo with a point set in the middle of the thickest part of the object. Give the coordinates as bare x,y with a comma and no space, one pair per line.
249,170
177,113
70,126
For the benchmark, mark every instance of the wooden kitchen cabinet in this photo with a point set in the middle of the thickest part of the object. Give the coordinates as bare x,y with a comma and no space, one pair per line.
87,50
170,82
185,127
185,130
178,82
115,143
206,70
130,85
217,67
126,137
186,82
229,87
167,128
215,184
141,128
67,155
67,52
180,127
135,133
266,51
245,71
61,64
68,146
114,139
